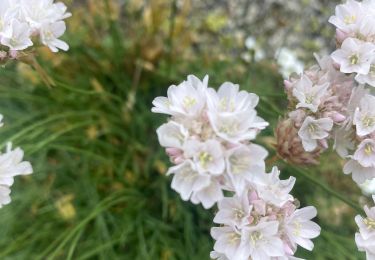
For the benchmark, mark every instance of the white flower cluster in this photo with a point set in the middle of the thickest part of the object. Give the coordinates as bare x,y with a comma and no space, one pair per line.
23,21
207,138
365,238
11,165
263,222
331,101
355,33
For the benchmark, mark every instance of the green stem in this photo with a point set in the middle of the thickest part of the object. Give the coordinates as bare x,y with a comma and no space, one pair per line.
327,189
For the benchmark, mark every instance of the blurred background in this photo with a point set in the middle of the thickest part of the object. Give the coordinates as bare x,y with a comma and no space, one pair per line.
99,190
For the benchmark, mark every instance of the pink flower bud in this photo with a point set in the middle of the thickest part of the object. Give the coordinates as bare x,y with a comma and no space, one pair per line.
337,117
13,54
323,143
341,36
288,85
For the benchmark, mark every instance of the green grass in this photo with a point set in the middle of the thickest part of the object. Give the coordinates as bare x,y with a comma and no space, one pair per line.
98,190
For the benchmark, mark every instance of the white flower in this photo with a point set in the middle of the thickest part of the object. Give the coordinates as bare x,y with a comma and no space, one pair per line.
365,239
359,173
11,165
38,13
172,135
354,56
244,162
343,141
187,99
308,95
229,100
187,180
17,36
50,33
348,16
368,187
364,116
228,242
300,229
209,195
208,156
273,190
237,128
313,130
365,154
234,211
261,242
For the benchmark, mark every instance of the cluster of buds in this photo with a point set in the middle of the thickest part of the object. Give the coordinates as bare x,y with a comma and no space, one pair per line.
365,238
24,23
11,165
332,101
263,222
208,139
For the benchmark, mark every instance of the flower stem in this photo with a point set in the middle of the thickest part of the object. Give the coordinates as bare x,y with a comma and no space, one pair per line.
327,189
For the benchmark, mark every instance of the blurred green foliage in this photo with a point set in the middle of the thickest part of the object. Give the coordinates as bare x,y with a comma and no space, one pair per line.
99,190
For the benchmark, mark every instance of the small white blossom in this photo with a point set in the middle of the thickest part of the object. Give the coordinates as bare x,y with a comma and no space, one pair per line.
313,130
172,135
50,33
354,56
243,163
17,36
261,242
365,154
208,156
309,95
364,116
187,180
187,99
300,229
368,187
11,165
234,211
209,195
365,238
348,16
360,174
273,190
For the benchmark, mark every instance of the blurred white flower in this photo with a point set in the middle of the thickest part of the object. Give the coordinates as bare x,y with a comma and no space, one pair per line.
313,130
11,165
360,174
288,62
309,95
368,187
261,241
365,153
187,99
364,116
348,16
354,56
300,229
365,238
50,33
20,20
17,36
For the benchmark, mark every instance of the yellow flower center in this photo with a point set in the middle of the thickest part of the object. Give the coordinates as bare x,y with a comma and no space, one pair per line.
370,223
354,59
204,159
350,19
189,102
